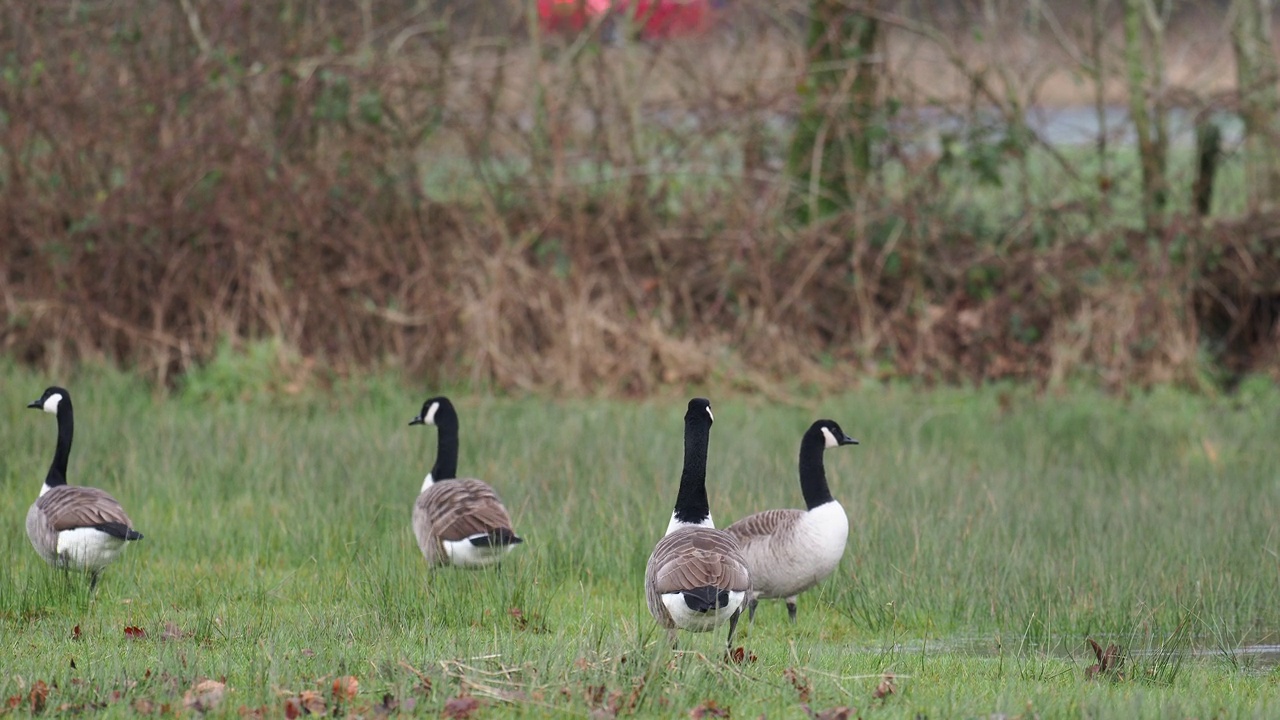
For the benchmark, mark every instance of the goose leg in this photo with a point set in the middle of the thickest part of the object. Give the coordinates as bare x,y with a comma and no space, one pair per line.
671,637
68,581
733,626
751,610
93,580
791,608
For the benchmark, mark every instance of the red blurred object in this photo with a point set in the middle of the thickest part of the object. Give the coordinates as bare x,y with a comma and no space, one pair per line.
656,18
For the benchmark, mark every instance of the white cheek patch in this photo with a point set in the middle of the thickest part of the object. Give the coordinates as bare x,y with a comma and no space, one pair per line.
830,437
713,417
430,416
51,403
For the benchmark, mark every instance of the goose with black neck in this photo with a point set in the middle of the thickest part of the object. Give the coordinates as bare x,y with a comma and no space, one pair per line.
790,551
696,578
457,521
74,527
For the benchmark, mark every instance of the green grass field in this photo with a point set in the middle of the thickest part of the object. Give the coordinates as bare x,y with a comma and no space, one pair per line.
993,531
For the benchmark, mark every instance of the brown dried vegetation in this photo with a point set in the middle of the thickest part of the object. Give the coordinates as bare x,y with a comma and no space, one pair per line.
835,713
1109,662
204,695
447,197
709,709
461,707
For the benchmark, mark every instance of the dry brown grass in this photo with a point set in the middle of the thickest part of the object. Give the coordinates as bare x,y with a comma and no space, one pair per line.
180,174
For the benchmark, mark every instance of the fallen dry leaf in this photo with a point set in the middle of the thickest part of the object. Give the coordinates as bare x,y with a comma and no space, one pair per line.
133,632
254,713
312,702
143,706
1109,662
388,706
709,709
885,688
204,695
345,688
740,655
173,632
799,682
75,633
835,713
460,707
39,696
292,708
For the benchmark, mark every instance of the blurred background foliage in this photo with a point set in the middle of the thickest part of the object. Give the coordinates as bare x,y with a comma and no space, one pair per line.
546,196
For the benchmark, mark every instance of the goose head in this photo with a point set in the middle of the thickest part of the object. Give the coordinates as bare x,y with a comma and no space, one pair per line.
53,398
436,411
831,434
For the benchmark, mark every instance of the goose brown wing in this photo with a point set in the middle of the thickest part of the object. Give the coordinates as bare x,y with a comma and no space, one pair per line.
68,507
764,524
459,509
697,557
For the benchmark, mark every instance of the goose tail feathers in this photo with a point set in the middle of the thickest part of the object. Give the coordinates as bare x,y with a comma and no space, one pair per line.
706,599
119,530
496,538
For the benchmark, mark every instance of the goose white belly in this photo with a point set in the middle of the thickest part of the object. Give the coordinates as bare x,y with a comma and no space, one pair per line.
784,565
687,619
88,548
83,548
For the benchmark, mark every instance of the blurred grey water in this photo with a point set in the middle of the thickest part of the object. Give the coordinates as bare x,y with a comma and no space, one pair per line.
1258,654
926,127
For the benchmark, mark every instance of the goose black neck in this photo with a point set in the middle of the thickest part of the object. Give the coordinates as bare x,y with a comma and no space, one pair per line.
813,474
66,430
691,504
446,467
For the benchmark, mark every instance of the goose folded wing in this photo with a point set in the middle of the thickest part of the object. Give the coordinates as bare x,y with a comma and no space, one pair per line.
70,507
466,508
769,522
705,562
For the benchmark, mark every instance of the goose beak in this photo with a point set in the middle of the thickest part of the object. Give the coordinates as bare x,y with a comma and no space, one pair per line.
36,404
846,440
416,421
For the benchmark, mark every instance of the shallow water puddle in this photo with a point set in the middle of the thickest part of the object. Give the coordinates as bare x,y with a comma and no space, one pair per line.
1260,652
1264,656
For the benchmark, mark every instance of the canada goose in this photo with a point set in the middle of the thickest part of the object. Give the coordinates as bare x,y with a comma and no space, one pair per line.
458,521
72,526
696,577
790,551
